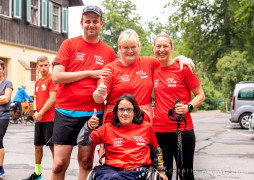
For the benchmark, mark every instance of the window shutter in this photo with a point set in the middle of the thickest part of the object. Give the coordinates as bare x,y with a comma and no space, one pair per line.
50,15
64,20
28,11
17,9
44,11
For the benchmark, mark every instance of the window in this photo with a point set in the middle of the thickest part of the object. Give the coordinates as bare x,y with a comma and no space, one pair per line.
5,7
246,94
64,20
35,12
56,18
17,9
33,71
44,13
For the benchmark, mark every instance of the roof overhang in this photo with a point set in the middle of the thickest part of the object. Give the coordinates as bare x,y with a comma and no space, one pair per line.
76,3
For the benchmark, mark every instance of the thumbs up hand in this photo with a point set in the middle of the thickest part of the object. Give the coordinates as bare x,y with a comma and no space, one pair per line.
102,89
94,120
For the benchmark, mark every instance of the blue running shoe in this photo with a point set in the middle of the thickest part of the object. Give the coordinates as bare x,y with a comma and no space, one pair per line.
2,174
34,177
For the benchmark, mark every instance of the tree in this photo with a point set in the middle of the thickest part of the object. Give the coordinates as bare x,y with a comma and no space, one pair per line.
120,15
233,69
244,28
208,29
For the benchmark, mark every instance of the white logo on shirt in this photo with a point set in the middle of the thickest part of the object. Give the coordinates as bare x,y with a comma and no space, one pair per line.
43,87
142,74
171,82
99,60
125,78
37,88
118,142
156,82
80,56
140,141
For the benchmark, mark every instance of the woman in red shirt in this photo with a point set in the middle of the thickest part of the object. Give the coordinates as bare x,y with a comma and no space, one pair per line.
171,83
128,141
129,74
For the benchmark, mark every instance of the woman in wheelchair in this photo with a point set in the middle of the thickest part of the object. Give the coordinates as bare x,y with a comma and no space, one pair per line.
128,141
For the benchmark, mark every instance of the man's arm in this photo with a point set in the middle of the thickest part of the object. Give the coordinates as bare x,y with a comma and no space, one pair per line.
26,96
4,99
49,103
59,74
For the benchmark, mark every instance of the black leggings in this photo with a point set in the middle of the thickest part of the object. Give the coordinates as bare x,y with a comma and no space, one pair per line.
168,144
3,127
18,106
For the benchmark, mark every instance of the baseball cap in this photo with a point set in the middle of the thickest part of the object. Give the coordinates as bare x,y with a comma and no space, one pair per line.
94,9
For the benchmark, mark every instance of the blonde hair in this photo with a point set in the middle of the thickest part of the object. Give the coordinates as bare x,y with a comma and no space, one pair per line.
166,36
42,58
129,36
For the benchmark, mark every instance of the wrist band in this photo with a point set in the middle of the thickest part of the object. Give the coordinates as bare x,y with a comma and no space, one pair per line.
89,126
162,172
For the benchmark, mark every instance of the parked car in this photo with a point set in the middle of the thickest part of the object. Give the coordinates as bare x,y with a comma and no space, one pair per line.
251,122
242,103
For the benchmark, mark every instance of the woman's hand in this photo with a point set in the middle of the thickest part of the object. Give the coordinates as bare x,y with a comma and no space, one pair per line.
102,89
94,120
185,61
163,176
181,108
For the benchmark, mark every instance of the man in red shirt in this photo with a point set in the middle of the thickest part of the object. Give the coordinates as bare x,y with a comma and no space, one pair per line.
77,66
45,95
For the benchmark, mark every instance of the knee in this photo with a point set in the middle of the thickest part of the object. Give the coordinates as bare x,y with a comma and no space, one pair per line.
59,166
86,162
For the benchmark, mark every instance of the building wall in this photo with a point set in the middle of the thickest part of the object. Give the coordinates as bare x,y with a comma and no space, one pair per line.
16,72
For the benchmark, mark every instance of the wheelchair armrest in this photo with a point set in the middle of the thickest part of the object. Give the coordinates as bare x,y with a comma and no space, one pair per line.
92,172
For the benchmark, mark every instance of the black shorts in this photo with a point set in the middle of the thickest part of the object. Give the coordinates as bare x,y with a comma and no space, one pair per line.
66,129
43,132
3,127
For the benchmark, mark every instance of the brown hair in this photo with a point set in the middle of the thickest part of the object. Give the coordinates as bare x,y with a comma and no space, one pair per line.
42,58
2,64
139,115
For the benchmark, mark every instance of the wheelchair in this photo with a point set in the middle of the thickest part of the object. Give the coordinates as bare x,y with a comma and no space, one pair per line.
152,173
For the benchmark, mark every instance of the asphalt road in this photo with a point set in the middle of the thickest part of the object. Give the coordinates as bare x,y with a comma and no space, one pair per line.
223,151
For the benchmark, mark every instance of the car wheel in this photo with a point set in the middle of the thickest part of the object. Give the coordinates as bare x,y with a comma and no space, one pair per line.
244,120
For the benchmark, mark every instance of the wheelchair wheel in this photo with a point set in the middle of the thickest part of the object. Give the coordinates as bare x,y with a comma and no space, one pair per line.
153,174
92,173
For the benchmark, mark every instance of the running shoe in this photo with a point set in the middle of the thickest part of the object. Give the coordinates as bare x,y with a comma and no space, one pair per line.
2,174
34,177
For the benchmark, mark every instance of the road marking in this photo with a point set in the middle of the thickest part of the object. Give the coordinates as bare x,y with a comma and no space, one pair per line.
228,130
248,135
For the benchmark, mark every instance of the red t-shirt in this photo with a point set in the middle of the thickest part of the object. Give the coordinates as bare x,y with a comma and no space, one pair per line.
42,89
76,54
135,79
126,147
171,83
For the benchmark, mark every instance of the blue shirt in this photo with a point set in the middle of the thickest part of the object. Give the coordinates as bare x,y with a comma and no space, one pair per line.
21,95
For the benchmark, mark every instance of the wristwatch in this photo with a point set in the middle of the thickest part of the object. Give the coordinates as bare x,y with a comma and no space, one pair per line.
190,107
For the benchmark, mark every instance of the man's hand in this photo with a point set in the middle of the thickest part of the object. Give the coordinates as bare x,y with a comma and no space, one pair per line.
185,61
94,120
37,116
99,73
